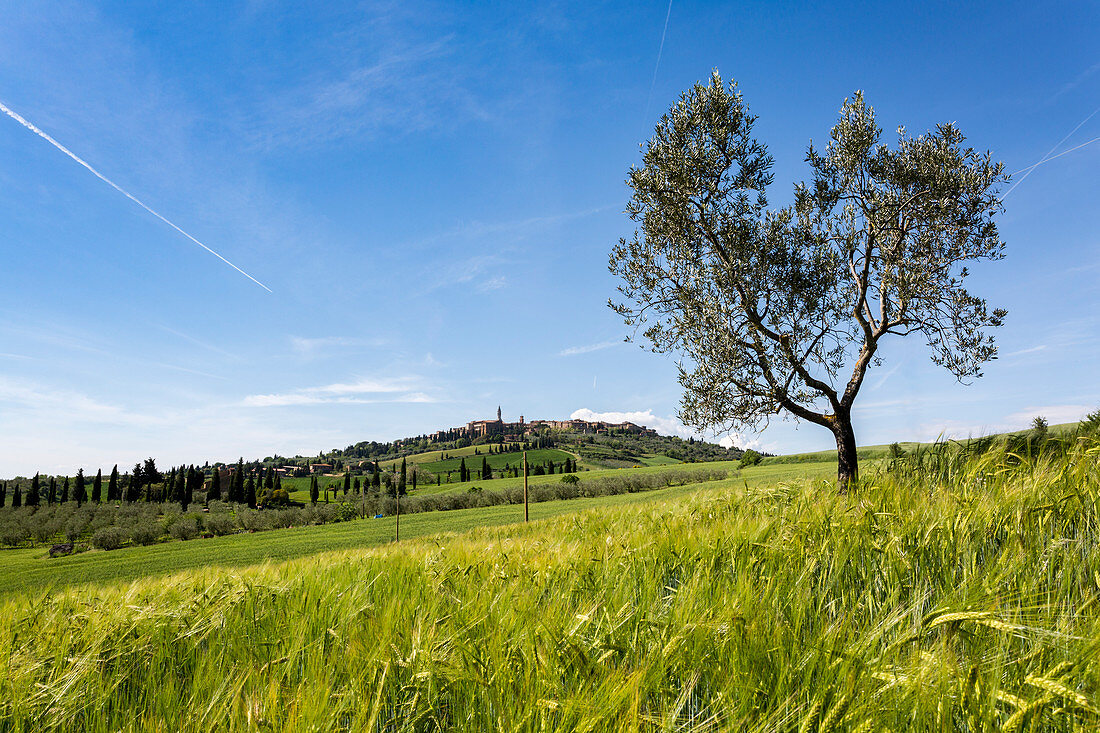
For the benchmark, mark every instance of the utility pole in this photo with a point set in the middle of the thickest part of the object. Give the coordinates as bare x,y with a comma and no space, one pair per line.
526,514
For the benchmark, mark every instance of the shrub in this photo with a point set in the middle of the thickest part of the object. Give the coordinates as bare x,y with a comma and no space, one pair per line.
220,523
108,538
1092,421
569,478
1039,428
145,532
13,534
75,527
750,458
184,528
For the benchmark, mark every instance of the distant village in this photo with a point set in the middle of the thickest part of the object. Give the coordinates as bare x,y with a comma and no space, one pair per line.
503,431
521,430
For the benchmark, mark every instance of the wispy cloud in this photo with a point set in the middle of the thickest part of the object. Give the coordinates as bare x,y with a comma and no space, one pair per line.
882,379
68,405
405,87
477,229
199,342
363,391
313,346
1021,352
494,283
1076,82
588,349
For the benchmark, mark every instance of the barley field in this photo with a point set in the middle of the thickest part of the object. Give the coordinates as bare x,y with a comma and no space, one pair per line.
959,591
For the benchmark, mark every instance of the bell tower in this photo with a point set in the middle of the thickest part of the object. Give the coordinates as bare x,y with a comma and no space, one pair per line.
498,414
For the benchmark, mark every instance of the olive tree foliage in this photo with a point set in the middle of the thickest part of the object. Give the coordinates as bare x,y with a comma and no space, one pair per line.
781,312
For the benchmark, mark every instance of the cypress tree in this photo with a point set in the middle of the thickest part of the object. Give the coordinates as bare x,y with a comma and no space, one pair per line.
486,473
269,480
133,489
65,490
462,477
402,479
97,486
51,493
80,494
376,479
16,498
112,485
3,492
313,492
194,483
237,493
180,489
278,483
414,472
250,491
215,493
32,495
347,482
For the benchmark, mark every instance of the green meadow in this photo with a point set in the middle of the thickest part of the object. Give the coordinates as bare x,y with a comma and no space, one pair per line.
299,487
32,568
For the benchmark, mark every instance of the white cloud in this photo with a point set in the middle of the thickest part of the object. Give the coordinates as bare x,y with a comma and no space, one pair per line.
384,390
1054,414
740,440
665,426
574,350
1019,420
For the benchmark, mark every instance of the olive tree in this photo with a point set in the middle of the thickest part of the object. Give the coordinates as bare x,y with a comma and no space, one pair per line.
782,312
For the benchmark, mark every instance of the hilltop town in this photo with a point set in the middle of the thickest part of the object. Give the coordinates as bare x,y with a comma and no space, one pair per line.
522,430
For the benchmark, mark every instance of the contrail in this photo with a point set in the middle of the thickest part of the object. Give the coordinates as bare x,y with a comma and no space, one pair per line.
1047,158
30,126
657,66
1059,155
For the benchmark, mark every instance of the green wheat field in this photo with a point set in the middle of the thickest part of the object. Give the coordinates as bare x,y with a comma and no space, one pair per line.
955,590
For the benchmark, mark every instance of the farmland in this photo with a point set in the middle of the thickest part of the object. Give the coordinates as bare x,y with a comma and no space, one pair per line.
955,592
30,568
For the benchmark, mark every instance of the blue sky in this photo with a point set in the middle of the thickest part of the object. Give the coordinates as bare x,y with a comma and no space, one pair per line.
430,191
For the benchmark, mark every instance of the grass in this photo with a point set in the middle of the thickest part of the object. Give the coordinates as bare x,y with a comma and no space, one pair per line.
496,461
875,452
302,494
967,600
30,569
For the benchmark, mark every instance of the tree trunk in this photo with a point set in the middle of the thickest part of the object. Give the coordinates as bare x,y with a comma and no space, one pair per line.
847,461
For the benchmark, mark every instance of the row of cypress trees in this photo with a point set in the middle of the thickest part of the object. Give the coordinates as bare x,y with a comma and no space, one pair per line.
59,493
178,486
